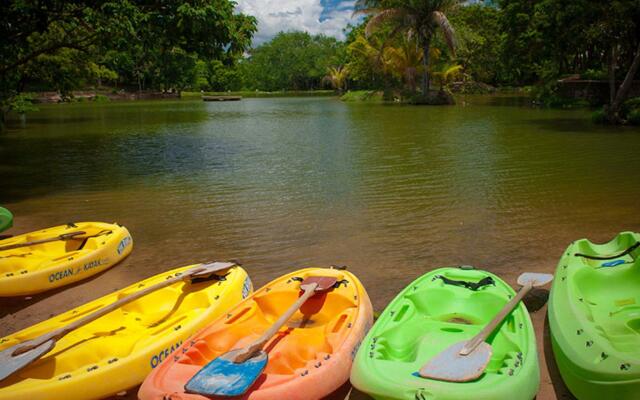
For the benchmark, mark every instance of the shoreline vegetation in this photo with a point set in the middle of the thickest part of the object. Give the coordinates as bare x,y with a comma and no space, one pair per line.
415,52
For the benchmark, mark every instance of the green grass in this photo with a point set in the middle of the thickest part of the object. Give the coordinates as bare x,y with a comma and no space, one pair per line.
370,96
256,93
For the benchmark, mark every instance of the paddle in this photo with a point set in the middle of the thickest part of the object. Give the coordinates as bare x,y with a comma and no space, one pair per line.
467,360
19,356
64,236
233,373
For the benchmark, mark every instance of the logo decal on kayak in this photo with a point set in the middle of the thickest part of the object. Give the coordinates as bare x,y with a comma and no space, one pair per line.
163,354
246,287
94,263
123,244
56,276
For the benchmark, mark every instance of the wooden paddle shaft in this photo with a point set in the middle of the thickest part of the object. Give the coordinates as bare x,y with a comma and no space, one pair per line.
486,331
64,236
259,343
59,333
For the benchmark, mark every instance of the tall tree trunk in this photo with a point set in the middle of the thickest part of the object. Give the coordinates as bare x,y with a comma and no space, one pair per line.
425,66
612,75
624,89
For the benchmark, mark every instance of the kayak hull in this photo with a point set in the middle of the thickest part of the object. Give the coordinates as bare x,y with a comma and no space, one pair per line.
309,358
430,315
6,219
46,266
116,352
594,318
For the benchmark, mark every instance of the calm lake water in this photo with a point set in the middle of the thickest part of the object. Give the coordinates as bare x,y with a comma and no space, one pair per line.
391,191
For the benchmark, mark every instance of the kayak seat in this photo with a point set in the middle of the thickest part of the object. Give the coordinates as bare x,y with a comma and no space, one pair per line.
32,258
610,301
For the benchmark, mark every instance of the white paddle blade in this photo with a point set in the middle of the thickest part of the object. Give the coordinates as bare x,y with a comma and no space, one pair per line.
534,279
207,269
451,366
10,364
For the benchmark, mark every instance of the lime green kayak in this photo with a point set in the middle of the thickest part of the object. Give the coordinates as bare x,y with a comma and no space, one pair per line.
441,308
6,219
594,318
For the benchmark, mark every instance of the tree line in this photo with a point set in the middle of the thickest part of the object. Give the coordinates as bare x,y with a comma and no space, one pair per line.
133,44
402,46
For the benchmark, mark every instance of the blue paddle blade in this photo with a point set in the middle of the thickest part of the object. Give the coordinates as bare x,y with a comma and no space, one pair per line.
223,377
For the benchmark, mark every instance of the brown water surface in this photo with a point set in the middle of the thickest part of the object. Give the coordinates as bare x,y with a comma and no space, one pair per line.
391,191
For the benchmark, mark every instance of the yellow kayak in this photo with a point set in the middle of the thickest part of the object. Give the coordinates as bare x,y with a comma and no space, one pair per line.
117,351
91,247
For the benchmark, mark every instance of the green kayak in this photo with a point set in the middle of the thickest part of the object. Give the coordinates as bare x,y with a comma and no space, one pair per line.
594,318
441,308
6,219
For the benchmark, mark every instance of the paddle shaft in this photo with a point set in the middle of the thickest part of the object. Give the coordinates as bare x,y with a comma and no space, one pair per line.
259,343
59,333
64,236
486,331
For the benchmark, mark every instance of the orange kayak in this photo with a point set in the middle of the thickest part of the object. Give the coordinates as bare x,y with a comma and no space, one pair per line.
309,358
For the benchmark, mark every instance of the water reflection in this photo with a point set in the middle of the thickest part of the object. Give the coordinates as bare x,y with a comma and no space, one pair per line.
391,191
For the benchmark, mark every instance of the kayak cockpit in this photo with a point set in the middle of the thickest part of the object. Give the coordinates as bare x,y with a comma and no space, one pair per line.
609,299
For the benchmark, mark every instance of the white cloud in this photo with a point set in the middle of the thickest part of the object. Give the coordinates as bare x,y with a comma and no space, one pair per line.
303,15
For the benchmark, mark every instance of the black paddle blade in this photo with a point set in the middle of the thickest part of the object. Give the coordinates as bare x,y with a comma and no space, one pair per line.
10,364
223,377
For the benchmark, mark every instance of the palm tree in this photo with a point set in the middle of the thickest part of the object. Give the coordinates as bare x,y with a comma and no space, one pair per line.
369,49
404,61
337,77
421,18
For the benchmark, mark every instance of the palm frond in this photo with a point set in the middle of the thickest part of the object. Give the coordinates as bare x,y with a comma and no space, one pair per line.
452,72
382,17
392,35
361,5
447,30
365,11
434,53
336,76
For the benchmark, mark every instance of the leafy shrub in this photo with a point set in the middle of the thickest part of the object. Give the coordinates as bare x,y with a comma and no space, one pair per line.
100,98
599,116
633,118
594,74
22,104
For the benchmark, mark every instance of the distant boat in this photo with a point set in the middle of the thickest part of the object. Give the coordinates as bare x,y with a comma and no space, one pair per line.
221,98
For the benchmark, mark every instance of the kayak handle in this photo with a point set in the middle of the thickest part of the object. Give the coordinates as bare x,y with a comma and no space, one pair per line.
624,253
469,285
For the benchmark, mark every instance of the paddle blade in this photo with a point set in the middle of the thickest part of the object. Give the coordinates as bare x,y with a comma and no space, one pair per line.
223,377
534,279
324,283
205,270
10,364
450,366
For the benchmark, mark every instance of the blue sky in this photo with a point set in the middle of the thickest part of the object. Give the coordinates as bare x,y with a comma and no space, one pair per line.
314,16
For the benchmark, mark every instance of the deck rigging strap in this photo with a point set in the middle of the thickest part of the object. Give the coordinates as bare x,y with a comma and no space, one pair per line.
469,285
335,285
624,253
86,238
